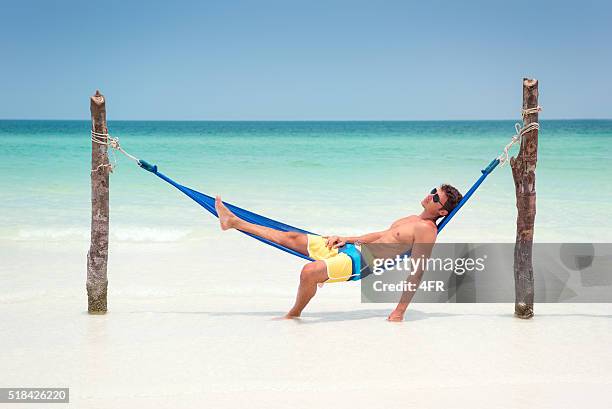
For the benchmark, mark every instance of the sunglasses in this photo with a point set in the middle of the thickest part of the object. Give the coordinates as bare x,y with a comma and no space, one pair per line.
436,196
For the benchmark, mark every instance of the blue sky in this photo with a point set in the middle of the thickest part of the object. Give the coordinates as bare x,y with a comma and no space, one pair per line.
302,60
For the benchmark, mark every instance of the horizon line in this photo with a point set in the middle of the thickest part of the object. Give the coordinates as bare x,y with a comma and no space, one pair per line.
305,120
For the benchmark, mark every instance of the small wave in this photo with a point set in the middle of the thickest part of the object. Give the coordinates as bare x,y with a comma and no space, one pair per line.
120,233
139,233
61,233
305,164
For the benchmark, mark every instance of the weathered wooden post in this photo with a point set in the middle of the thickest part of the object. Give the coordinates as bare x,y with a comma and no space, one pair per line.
97,257
523,172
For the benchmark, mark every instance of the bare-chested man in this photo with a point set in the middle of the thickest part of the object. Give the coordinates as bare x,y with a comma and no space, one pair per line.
333,263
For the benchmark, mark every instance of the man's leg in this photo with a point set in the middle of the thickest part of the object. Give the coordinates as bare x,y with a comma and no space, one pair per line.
293,240
312,274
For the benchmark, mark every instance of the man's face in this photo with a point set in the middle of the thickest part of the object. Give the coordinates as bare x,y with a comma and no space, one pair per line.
432,206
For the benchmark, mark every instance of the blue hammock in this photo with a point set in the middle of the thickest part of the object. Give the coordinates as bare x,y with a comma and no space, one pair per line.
208,203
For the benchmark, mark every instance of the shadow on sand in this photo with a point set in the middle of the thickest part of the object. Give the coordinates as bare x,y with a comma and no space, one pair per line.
340,316
320,317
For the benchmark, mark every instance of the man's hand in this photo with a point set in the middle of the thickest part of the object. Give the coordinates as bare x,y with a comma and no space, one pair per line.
396,316
335,242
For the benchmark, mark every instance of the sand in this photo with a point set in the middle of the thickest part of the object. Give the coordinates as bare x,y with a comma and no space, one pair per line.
184,331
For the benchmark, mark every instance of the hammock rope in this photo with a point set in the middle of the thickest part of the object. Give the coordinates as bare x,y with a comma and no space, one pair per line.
112,142
519,132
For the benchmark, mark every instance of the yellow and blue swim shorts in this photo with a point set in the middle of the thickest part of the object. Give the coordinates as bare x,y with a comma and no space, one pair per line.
343,264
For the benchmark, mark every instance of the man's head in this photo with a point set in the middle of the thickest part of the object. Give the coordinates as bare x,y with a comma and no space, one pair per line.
441,200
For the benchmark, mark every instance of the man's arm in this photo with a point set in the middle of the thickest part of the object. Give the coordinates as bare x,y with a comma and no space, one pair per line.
339,241
365,238
424,240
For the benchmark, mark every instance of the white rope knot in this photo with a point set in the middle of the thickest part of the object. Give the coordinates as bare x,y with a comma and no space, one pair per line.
529,111
519,132
112,142
110,167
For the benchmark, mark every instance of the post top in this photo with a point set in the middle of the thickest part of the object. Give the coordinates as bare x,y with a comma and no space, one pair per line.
97,98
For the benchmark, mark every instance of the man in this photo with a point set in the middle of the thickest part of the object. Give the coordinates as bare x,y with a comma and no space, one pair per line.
416,233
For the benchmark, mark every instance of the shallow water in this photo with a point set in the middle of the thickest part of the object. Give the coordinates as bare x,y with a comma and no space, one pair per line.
329,177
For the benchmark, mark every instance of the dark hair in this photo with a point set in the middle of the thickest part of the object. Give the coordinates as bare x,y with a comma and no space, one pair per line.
453,197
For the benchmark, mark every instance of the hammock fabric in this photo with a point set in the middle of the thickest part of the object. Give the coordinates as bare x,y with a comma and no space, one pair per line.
208,203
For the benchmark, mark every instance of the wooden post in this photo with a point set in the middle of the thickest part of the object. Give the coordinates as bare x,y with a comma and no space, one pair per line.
97,257
523,172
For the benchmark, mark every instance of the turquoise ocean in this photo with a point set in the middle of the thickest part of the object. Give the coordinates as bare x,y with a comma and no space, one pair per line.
327,177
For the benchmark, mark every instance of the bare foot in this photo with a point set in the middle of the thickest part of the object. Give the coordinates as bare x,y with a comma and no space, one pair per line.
226,218
292,315
286,317
396,316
